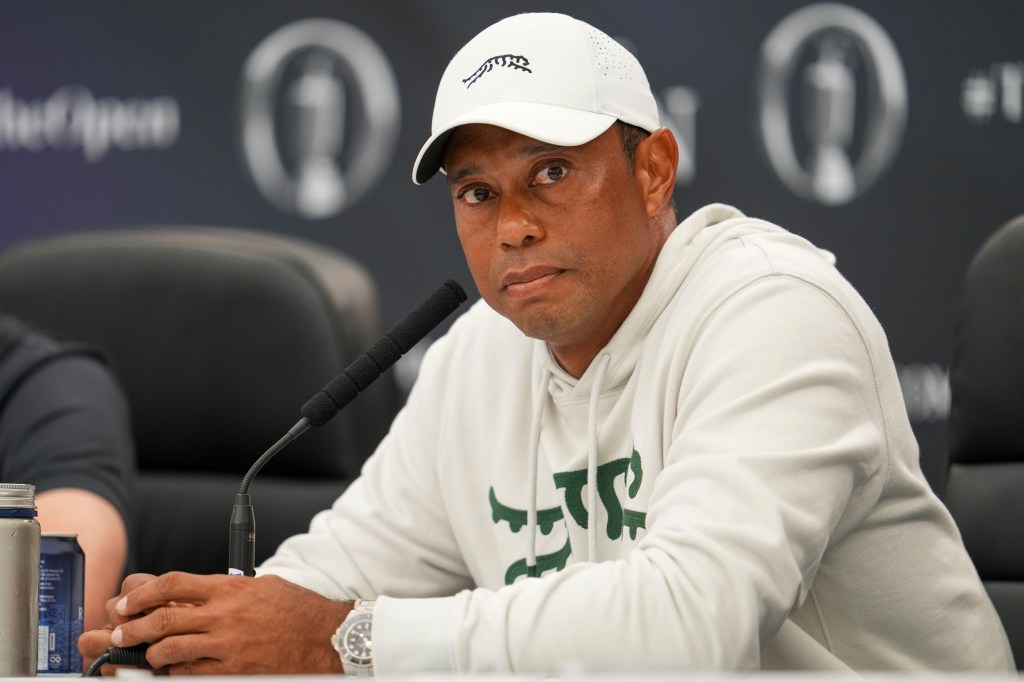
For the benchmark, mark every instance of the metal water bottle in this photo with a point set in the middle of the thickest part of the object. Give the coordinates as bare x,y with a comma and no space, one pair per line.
19,580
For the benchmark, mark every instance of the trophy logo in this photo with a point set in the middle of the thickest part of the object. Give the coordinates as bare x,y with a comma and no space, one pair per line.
833,102
320,116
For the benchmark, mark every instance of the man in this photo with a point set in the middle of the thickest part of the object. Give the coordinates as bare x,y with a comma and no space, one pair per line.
649,447
64,428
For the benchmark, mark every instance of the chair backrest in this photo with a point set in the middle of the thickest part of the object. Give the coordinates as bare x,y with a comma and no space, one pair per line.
985,481
219,336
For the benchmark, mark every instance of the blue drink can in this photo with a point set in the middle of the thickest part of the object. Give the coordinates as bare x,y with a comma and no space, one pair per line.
61,604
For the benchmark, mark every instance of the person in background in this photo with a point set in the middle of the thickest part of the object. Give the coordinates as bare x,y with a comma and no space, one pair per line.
65,428
653,445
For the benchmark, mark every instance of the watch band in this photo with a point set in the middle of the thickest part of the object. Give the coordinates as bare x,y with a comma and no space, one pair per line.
353,640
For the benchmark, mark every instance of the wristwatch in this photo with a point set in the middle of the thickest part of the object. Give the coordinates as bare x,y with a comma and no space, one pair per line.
354,640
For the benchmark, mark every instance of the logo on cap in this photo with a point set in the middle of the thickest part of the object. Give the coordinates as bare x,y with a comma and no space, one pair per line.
844,70
512,61
320,112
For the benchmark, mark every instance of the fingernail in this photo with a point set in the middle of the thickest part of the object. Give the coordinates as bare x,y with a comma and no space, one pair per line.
116,636
122,605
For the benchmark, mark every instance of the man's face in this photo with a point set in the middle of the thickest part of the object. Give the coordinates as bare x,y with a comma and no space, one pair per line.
557,238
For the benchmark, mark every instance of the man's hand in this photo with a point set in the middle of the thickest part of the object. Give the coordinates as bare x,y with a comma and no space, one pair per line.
222,625
94,643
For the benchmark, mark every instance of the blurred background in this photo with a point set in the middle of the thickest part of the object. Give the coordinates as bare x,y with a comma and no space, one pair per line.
889,133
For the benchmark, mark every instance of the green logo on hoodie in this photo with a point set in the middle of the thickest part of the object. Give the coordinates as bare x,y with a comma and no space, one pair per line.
572,484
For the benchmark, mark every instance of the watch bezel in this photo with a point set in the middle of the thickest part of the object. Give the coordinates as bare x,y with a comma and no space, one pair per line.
349,654
355,662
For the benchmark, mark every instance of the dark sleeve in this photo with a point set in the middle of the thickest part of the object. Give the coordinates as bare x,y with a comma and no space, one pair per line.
67,425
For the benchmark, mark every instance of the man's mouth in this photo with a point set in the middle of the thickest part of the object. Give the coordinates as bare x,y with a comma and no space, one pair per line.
526,283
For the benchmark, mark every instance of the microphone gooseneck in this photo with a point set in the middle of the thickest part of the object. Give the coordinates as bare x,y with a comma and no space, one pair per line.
319,409
293,433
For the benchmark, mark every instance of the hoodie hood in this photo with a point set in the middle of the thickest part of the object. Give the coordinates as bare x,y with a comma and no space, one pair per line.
697,236
601,386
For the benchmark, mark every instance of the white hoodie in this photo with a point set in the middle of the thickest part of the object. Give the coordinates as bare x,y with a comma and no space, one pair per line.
733,484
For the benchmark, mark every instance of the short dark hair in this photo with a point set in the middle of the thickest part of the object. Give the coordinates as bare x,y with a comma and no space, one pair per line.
631,136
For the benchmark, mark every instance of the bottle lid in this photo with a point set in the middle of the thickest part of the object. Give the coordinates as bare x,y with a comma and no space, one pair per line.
17,496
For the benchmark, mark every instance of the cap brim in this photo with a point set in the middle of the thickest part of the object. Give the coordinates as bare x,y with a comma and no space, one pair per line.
544,122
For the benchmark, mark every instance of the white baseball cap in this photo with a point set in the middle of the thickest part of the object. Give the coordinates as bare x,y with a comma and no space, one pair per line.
544,75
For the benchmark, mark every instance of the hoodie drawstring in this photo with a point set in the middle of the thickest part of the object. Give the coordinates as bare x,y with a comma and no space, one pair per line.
533,459
531,475
592,428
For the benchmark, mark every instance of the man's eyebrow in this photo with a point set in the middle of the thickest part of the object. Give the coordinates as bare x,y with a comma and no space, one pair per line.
526,150
457,176
539,148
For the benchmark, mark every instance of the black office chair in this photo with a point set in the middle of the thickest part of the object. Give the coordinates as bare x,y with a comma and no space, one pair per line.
219,336
985,484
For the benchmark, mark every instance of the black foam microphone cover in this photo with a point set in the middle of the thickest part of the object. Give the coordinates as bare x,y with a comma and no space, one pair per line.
388,349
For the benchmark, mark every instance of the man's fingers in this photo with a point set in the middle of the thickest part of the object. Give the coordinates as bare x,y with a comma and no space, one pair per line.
135,580
205,666
127,585
182,654
92,644
169,587
115,616
162,622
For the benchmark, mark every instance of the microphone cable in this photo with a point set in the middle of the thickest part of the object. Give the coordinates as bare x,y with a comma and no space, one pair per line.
133,655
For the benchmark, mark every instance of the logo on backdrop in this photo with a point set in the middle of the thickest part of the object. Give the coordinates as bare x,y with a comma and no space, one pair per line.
72,119
677,109
320,116
994,93
833,102
926,391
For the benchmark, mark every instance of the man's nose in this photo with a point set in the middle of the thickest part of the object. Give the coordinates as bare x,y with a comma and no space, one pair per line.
517,225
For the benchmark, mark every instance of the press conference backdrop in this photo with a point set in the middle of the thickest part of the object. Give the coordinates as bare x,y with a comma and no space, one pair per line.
890,133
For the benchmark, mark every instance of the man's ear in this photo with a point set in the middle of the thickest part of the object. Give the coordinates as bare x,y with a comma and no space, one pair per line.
656,160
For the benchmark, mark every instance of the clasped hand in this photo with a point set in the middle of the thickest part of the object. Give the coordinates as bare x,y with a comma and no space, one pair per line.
221,625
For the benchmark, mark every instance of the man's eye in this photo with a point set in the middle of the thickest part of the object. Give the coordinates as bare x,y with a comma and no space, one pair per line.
549,175
476,195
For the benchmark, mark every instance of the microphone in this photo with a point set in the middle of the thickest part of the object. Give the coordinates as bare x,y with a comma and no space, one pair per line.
341,390
368,366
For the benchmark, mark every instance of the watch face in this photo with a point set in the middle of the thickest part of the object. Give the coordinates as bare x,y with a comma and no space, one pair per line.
358,647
